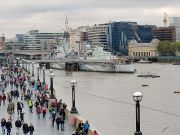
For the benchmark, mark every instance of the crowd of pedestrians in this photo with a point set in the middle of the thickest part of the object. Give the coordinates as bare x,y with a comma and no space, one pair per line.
17,91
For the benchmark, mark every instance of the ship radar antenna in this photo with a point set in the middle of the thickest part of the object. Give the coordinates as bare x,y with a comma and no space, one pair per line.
165,19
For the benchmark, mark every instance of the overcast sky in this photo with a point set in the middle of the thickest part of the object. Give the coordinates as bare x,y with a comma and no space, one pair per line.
19,16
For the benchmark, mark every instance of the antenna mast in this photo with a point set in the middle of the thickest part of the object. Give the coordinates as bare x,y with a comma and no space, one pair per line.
165,19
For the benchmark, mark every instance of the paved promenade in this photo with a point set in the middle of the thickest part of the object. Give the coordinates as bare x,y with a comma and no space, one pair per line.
42,126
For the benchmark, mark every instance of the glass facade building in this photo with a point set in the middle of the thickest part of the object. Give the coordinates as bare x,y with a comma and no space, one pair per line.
119,34
175,21
145,33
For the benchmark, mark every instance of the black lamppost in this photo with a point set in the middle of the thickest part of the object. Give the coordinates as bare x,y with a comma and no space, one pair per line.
38,73
51,75
44,81
26,65
22,63
73,84
137,97
32,69
17,62
29,72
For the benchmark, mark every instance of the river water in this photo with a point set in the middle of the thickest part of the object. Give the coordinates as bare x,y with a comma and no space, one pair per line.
105,99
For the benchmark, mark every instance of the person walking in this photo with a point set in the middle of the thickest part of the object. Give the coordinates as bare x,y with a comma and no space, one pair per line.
95,132
22,117
44,111
31,129
3,125
38,111
86,128
53,117
57,121
18,125
4,99
8,126
62,121
25,128
19,107
30,104
81,126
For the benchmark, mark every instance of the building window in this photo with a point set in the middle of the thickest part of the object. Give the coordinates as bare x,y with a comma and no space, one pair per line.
133,53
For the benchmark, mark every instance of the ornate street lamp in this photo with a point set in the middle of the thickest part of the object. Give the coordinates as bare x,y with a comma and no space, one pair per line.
23,63
26,65
50,71
29,67
51,75
32,69
17,61
44,81
137,97
38,73
73,84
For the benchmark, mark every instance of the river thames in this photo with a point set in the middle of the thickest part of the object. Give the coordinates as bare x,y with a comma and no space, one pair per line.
105,99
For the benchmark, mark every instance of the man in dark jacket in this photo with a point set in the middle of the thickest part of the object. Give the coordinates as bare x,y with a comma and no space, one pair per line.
3,125
25,128
18,125
19,107
8,127
31,129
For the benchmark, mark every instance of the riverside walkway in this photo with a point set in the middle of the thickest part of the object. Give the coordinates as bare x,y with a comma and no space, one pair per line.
42,126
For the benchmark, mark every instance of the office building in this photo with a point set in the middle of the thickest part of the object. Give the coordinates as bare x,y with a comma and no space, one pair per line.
2,41
97,35
119,34
175,21
165,33
145,33
36,40
79,38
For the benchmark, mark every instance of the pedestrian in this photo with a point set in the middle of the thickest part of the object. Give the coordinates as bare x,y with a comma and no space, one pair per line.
38,111
31,129
86,128
76,132
25,128
53,117
19,107
10,110
0,98
44,111
8,126
95,132
62,120
4,99
30,104
22,117
18,125
80,127
3,125
58,121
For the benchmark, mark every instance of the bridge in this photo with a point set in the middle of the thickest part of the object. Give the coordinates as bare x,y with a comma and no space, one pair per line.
28,54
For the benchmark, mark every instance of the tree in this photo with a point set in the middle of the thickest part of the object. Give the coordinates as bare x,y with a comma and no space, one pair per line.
166,48
177,44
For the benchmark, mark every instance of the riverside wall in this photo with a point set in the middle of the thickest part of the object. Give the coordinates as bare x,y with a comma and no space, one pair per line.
74,120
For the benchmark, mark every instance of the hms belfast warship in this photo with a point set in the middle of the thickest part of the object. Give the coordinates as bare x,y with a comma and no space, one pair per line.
95,60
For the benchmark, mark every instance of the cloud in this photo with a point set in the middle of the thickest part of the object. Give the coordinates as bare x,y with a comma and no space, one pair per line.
19,16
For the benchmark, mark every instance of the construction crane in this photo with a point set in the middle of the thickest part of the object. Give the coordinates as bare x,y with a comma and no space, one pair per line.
165,19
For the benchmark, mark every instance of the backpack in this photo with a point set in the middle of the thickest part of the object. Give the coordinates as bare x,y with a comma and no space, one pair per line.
18,123
58,120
